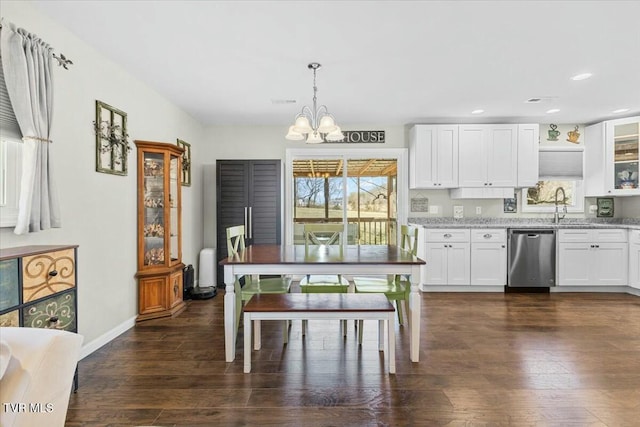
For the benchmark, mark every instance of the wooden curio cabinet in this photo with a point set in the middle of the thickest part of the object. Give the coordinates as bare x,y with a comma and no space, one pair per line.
159,230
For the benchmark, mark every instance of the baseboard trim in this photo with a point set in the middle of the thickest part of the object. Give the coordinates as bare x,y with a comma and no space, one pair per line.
602,289
461,288
107,337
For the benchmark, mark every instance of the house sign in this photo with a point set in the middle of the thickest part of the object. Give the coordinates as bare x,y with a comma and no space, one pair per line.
362,136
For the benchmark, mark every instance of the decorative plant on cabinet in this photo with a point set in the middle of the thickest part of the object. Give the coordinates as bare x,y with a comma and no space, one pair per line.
159,230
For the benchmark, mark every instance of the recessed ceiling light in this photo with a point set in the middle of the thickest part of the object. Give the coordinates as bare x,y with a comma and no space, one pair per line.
582,76
477,112
553,110
620,110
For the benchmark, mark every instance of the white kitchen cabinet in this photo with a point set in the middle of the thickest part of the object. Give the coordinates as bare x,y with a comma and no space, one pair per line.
612,154
528,157
592,257
489,257
449,257
634,259
488,155
433,156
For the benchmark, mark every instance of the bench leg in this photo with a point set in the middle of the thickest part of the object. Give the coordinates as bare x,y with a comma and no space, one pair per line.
257,335
391,342
381,335
304,328
247,343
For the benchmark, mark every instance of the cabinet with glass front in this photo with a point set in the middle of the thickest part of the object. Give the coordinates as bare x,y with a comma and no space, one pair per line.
612,155
159,230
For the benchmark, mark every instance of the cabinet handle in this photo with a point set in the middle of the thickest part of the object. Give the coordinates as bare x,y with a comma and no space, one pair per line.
487,236
597,246
447,235
485,183
246,230
53,273
491,183
503,246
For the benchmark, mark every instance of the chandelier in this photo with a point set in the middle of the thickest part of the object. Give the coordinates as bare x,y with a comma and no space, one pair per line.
316,125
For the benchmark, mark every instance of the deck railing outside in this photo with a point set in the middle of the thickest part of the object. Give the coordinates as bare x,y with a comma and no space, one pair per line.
368,231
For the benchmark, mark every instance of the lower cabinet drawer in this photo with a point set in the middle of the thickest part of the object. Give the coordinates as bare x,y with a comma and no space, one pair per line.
58,312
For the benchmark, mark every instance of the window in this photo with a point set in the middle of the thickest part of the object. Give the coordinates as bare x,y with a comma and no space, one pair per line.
10,159
542,197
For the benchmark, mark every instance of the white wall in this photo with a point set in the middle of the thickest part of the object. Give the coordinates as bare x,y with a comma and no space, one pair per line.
268,142
99,210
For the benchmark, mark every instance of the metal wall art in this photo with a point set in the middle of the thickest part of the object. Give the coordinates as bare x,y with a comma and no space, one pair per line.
112,139
186,162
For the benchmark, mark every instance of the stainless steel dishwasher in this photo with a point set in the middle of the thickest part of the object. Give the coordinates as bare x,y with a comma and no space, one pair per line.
532,258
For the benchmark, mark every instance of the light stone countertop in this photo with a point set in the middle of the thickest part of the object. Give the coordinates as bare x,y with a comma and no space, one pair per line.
533,223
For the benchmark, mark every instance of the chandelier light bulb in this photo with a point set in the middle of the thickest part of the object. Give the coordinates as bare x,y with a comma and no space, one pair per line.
327,125
292,135
314,138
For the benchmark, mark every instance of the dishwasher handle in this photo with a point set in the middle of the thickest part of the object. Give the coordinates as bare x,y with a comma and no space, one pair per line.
532,232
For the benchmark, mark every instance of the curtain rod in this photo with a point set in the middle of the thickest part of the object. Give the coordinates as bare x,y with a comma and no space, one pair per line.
63,61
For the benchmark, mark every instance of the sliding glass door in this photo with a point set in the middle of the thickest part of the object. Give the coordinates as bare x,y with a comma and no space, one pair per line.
360,192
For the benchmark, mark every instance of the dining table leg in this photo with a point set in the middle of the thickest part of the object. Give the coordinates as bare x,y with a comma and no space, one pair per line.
229,314
415,314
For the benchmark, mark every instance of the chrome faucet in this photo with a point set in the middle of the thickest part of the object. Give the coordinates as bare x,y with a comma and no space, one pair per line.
556,214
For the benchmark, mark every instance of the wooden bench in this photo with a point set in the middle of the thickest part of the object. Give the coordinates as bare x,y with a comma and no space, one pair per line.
320,306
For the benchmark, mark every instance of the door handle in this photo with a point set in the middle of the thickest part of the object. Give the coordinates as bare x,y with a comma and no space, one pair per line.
246,228
250,222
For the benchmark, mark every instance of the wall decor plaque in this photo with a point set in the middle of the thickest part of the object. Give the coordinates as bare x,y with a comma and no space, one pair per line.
186,162
112,139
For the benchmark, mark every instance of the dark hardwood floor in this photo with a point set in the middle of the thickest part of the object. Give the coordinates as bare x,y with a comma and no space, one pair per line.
486,359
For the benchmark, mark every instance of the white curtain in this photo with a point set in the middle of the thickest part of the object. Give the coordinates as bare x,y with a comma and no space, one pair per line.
27,66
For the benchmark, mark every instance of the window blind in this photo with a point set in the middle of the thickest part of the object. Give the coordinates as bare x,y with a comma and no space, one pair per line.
8,124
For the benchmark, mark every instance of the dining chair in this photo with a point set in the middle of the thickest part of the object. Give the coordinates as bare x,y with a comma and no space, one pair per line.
317,237
396,287
253,284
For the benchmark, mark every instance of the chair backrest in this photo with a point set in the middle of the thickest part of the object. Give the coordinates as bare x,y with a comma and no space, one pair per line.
235,240
323,234
409,239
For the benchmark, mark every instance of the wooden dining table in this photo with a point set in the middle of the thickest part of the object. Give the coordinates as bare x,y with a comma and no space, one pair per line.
298,260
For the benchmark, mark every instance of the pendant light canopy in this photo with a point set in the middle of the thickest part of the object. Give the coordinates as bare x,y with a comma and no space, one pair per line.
315,125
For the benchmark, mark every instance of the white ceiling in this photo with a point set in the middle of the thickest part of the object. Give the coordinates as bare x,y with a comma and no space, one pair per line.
384,62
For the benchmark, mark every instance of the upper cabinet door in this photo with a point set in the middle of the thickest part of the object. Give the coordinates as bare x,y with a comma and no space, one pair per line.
502,155
433,156
446,156
472,165
611,158
528,155
622,155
